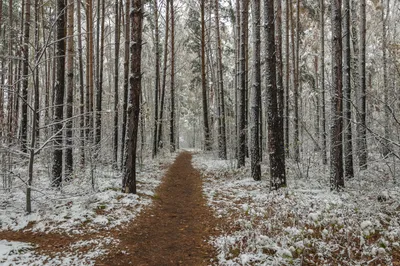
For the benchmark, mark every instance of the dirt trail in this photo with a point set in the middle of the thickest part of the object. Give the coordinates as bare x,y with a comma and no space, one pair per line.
174,231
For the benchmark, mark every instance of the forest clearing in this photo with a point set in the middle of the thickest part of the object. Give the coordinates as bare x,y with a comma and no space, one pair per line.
210,132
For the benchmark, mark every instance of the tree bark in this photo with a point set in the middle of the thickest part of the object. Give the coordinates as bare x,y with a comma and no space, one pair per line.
348,142
157,80
136,16
59,95
172,111
336,171
256,95
25,73
275,124
322,82
117,38
207,136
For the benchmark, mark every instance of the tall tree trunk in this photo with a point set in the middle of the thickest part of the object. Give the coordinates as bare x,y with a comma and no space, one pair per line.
129,181
36,116
207,134
160,120
361,123
89,72
256,95
172,113
322,82
117,38
348,142
275,124
386,145
296,76
126,82
157,80
287,78
100,65
336,172
25,77
70,87
237,75
81,88
279,64
221,103
59,94
242,89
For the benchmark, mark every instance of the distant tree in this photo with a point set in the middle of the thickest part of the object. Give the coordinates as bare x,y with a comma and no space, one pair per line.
129,180
172,111
322,81
157,78
117,37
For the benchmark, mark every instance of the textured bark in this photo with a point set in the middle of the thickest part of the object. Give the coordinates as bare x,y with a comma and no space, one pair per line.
221,103
275,126
59,95
361,98
287,78
348,142
172,111
89,72
279,64
206,127
164,80
81,89
336,169
117,37
296,137
136,16
126,83
242,126
70,87
100,66
25,72
322,82
157,80
256,94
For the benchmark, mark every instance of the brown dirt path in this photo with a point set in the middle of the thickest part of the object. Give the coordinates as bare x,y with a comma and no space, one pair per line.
175,230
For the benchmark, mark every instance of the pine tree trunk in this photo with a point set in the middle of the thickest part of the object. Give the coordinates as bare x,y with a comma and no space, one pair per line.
126,83
275,124
296,137
348,142
287,78
336,172
256,95
117,38
386,145
129,180
242,86
164,80
207,135
361,123
221,103
70,87
172,113
157,80
322,82
59,95
81,89
25,77
89,73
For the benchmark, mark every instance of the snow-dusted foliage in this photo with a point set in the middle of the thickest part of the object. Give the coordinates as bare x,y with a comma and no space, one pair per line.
304,223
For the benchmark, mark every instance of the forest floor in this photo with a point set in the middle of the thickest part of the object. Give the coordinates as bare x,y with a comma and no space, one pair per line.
174,230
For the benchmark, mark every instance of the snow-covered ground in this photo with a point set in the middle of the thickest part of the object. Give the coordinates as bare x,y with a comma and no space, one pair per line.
79,208
305,223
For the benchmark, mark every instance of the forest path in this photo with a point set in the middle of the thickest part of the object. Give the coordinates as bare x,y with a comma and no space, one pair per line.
175,229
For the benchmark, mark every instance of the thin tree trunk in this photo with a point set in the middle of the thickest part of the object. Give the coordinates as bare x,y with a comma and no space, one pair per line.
81,88
348,142
361,125
242,88
256,95
287,78
126,83
117,38
386,145
100,65
129,180
59,95
296,60
157,80
89,73
207,141
160,120
70,87
322,83
275,124
25,72
221,103
172,114
336,172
